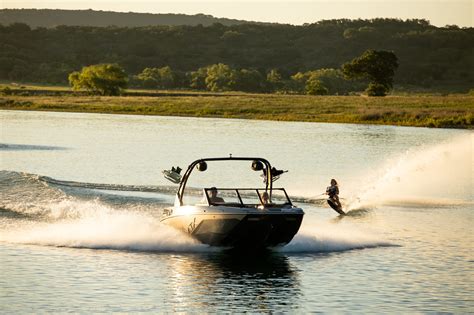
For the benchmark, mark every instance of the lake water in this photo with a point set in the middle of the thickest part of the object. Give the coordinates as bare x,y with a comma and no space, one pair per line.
406,245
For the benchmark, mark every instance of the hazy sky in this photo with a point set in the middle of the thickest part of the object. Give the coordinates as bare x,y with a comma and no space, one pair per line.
439,12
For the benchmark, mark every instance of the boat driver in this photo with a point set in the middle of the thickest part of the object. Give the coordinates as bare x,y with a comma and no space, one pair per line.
213,198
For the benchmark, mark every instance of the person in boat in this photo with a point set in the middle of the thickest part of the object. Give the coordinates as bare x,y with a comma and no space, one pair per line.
333,192
213,198
265,198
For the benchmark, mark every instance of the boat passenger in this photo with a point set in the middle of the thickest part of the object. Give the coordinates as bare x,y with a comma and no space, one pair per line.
265,198
333,192
213,198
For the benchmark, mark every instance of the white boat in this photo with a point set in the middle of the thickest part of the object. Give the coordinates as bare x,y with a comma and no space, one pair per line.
248,217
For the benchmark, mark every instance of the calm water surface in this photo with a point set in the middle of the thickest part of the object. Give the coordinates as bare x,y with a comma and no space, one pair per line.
406,245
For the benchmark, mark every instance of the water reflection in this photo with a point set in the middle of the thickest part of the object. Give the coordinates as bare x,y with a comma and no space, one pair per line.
241,281
380,134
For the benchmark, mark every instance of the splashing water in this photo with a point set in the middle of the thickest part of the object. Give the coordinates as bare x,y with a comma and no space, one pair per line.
138,232
98,226
440,175
46,215
330,238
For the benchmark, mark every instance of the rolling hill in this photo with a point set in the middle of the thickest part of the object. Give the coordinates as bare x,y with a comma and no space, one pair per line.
51,18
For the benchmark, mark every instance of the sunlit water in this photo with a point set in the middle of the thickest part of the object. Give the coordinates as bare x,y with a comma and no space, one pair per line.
406,245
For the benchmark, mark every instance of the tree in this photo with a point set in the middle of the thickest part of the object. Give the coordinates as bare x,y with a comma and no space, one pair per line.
220,77
248,81
102,79
198,78
322,82
378,66
298,81
314,86
148,78
275,80
333,80
162,78
167,78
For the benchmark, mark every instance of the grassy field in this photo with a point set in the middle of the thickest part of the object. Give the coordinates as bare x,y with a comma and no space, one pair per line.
451,111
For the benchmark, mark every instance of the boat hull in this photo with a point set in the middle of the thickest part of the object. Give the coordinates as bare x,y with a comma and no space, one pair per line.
249,230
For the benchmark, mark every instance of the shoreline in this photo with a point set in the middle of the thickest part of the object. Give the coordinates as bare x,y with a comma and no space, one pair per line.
451,111
239,118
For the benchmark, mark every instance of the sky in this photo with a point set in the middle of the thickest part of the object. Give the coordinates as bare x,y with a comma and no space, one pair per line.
438,12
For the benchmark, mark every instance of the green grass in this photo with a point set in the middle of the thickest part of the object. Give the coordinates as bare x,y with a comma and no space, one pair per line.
451,111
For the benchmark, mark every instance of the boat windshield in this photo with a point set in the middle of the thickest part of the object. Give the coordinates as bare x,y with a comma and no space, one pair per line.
245,197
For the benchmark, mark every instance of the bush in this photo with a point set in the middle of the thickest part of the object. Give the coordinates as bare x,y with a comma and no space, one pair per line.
315,87
6,91
376,89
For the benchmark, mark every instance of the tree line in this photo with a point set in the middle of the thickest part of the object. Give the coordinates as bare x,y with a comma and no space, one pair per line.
221,77
257,54
378,67
215,78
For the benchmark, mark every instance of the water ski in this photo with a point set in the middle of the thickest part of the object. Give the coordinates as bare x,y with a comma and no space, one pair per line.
333,205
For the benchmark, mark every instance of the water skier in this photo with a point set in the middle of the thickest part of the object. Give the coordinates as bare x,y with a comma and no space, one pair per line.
333,192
